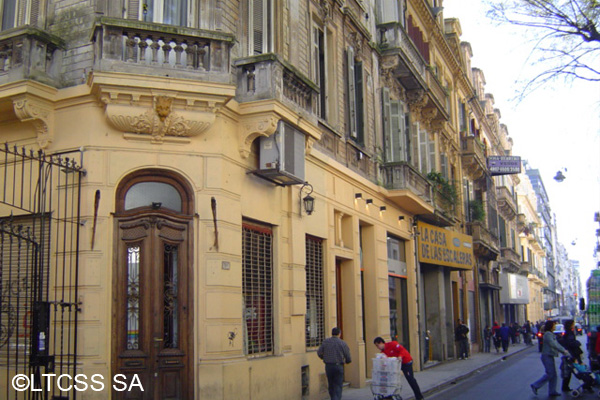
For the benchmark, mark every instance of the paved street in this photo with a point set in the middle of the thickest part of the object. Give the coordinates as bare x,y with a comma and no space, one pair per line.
509,380
484,376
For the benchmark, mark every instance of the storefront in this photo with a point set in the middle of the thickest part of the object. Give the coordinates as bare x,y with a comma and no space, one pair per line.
441,253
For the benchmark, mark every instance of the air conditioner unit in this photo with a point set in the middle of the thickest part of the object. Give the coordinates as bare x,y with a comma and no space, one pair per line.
281,158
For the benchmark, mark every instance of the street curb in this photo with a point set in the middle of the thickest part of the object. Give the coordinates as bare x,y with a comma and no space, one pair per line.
445,384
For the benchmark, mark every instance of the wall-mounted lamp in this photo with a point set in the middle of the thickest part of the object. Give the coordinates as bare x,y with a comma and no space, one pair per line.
357,196
382,208
369,201
401,218
308,201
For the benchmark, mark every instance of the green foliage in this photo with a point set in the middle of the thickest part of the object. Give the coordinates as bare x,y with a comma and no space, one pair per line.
443,186
477,210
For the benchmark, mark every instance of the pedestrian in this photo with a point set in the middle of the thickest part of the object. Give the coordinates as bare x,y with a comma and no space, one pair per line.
527,333
335,353
496,335
394,349
487,338
550,350
512,331
462,340
504,334
573,346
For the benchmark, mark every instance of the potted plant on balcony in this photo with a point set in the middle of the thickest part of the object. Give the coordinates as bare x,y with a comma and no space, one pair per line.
443,186
477,210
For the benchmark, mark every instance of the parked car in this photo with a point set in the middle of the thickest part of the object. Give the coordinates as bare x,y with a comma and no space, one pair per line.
578,329
559,330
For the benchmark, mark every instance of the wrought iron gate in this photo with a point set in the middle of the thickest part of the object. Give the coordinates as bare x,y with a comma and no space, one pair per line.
39,264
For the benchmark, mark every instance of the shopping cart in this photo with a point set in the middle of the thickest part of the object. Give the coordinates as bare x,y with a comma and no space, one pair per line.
386,380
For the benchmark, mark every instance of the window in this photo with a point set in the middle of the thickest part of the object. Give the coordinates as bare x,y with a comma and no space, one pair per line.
257,288
154,194
390,11
170,12
319,71
502,226
444,165
394,125
423,149
462,118
15,13
260,29
356,114
9,14
315,318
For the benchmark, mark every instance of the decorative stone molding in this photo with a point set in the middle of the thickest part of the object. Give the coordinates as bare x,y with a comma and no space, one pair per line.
357,41
251,127
40,114
159,116
325,11
416,101
158,121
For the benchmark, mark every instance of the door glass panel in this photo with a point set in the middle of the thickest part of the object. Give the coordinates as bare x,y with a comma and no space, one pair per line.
170,294
133,297
155,194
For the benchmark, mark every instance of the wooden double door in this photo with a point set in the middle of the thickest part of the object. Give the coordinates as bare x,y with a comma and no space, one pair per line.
152,338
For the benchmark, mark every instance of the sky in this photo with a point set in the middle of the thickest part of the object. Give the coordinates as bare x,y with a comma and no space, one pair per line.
554,128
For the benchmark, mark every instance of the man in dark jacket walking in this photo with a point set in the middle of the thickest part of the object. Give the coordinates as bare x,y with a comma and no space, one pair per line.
504,334
335,353
462,340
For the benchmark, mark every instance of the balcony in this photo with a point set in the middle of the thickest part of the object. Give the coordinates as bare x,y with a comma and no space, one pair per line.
485,243
408,188
506,202
268,77
164,50
473,157
438,94
30,53
401,54
510,259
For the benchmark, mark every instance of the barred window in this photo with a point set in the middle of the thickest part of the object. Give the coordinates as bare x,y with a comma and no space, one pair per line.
257,286
315,319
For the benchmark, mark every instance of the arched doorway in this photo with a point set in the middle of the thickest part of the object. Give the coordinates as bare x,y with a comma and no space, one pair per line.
152,302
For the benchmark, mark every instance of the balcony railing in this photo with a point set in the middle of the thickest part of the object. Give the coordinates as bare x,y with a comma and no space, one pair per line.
510,256
483,238
30,53
398,176
506,202
527,267
438,90
155,49
269,77
393,39
444,203
473,155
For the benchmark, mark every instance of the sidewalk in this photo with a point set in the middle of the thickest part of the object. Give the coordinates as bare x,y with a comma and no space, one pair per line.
435,378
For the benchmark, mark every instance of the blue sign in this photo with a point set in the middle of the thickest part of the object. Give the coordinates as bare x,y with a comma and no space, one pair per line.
504,165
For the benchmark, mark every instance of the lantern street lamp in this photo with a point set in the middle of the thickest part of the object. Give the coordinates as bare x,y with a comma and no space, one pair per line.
308,201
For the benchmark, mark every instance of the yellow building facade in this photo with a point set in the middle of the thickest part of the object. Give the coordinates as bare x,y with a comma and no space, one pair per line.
184,250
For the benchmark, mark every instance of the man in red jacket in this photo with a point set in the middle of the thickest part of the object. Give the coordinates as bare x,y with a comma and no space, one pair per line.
394,349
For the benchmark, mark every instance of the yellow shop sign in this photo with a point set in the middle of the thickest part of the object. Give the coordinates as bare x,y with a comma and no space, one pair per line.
443,247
